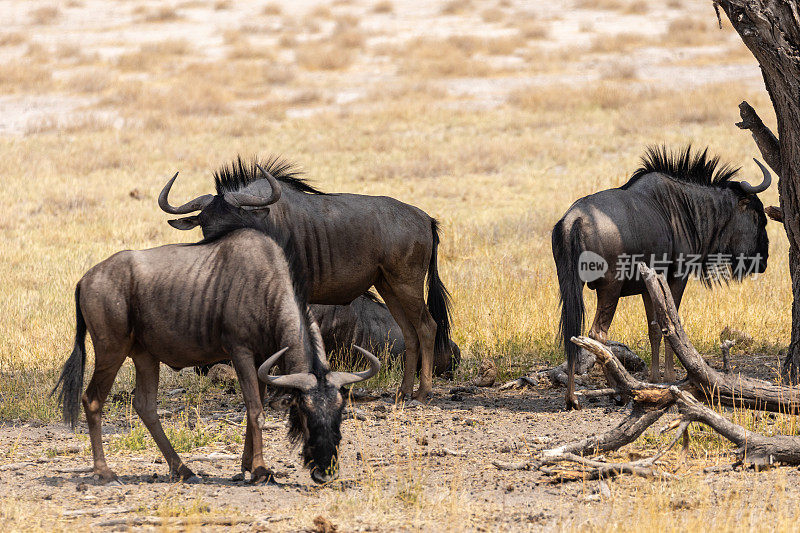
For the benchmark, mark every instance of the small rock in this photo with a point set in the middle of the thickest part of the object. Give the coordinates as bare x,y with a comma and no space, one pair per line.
82,487
323,525
487,374
422,441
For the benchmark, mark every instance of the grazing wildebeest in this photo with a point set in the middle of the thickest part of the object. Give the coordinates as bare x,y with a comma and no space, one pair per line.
236,294
367,322
674,209
346,243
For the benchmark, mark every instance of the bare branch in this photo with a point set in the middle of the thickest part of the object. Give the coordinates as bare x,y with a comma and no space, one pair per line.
766,141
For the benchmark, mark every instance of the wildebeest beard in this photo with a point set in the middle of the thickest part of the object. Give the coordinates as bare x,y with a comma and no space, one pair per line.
315,419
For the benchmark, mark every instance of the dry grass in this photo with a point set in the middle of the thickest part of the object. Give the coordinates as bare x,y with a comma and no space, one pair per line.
44,15
619,70
242,48
433,58
323,56
493,15
158,14
619,42
272,9
456,7
604,5
23,76
534,29
689,31
383,7
152,56
320,12
92,81
637,7
12,39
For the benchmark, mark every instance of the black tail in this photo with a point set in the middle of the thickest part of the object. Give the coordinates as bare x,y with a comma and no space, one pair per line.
71,380
566,250
438,299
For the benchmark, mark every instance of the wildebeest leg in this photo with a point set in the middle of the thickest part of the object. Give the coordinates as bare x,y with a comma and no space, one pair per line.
607,299
145,401
409,336
676,288
107,363
654,333
423,331
253,397
247,453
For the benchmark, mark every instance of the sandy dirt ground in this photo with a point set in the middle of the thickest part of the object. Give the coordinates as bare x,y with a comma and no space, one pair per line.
441,453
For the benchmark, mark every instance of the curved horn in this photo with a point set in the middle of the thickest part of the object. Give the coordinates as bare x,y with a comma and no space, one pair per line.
340,379
319,345
193,205
750,189
245,199
302,381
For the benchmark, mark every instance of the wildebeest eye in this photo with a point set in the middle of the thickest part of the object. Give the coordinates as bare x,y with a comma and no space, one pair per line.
744,202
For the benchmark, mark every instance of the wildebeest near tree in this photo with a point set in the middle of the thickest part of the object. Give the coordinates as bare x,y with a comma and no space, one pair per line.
346,243
366,322
237,294
676,210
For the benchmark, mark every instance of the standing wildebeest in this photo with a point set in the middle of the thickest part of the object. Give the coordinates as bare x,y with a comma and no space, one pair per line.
237,294
367,322
675,207
346,243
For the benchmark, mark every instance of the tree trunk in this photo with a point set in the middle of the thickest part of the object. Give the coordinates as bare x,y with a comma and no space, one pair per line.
771,30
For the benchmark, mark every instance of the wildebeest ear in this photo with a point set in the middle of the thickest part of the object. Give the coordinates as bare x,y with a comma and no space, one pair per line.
184,223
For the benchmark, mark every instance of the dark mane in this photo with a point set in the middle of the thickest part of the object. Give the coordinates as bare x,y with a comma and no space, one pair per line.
698,168
239,174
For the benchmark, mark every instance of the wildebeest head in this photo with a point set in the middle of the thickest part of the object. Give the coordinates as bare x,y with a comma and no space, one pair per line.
315,409
745,236
220,212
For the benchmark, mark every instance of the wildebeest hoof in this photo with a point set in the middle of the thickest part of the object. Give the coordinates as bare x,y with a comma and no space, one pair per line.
423,396
193,480
238,477
183,474
401,398
262,476
573,403
106,478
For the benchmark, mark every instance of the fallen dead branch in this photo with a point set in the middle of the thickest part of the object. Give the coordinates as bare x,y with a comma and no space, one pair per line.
586,361
650,401
716,387
173,521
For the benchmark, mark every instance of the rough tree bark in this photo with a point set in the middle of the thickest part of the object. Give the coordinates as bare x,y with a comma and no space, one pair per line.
771,30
